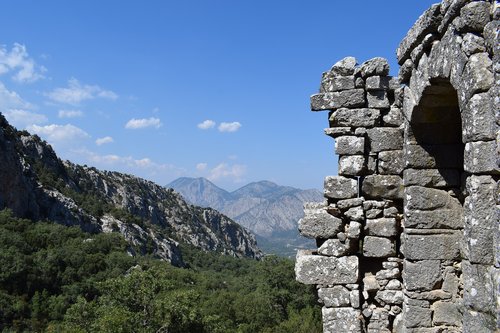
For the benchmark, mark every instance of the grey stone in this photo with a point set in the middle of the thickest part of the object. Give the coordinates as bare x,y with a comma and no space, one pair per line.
354,230
390,162
391,212
316,269
444,245
336,132
348,203
349,145
378,247
370,283
424,46
390,296
424,198
415,316
450,10
355,117
434,219
379,321
405,71
338,187
337,296
478,322
393,117
355,298
474,16
394,285
381,83
387,274
375,66
491,36
334,247
336,83
385,138
421,275
355,214
478,119
472,43
352,165
334,100
450,280
446,313
318,223
373,213
386,227
479,294
377,99
344,66
481,157
436,178
433,156
341,320
383,186
477,75
359,83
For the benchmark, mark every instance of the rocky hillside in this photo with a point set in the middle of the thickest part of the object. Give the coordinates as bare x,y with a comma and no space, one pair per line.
36,184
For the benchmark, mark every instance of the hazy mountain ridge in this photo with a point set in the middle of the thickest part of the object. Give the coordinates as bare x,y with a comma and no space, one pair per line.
36,184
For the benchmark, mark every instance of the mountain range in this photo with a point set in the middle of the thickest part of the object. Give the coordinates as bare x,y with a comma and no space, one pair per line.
36,184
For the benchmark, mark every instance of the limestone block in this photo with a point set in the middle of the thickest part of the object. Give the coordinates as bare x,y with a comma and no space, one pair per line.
381,83
375,66
344,67
479,294
405,71
474,16
385,138
377,99
355,117
349,145
444,218
373,213
336,132
490,34
472,43
416,316
440,244
334,247
352,165
390,162
336,83
433,156
319,223
446,313
355,214
394,285
355,298
316,269
389,296
378,247
349,203
353,230
387,274
337,296
391,212
379,321
481,157
370,283
383,186
424,198
436,178
341,320
333,100
338,187
385,227
393,117
478,322
477,76
421,275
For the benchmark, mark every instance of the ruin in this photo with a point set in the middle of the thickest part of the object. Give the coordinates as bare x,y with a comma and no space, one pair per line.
408,236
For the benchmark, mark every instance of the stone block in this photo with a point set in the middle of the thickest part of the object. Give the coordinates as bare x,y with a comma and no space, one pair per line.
383,186
334,247
479,322
363,117
316,269
319,223
385,138
387,274
381,83
378,247
421,275
479,294
385,227
433,156
434,219
437,178
440,244
424,198
355,298
477,75
338,187
341,320
340,99
370,283
389,296
416,316
352,165
472,43
349,203
353,230
331,83
481,157
349,145
355,214
446,313
478,119
474,16
390,162
377,99
337,296
393,117
375,66
336,132
344,67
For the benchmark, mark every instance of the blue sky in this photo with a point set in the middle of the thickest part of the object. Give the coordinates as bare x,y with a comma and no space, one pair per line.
163,89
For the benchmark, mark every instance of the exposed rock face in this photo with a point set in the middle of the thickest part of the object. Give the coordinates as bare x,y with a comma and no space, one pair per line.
424,188
35,184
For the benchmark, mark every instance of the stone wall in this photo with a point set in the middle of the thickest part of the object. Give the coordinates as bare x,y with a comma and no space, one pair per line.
408,236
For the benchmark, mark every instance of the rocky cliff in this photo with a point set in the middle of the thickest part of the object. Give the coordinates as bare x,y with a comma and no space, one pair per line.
36,184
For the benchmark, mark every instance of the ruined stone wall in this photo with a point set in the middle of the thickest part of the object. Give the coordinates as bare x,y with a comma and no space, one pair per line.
408,236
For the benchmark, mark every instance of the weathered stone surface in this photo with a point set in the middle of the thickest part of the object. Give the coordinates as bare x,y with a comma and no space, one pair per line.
446,313
348,203
355,298
354,230
370,283
424,46
431,246
477,75
337,296
424,198
334,247
394,285
379,321
478,322
378,247
481,157
421,275
416,316
472,43
479,294
355,117
349,145
344,67
336,132
385,138
341,320
390,296
390,162
491,36
338,187
377,99
355,214
474,16
393,117
437,178
382,186
381,83
316,269
318,223
339,99
336,83
405,71
385,227
352,165
433,156
387,274
375,66
478,119
434,219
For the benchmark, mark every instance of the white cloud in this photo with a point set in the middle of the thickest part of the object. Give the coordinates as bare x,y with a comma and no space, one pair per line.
70,113
229,127
11,100
143,123
77,92
18,61
207,124
55,134
234,172
22,118
104,140
201,166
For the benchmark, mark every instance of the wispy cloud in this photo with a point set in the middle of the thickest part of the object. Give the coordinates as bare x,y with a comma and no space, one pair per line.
104,140
233,172
201,166
143,123
229,127
59,134
18,61
11,100
207,124
76,93
23,118
70,113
